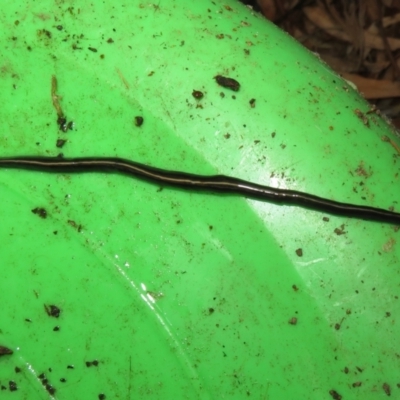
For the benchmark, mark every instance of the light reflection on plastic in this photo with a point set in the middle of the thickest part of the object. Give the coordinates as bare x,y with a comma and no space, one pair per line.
221,248
151,298
35,374
311,262
276,181
148,303
162,319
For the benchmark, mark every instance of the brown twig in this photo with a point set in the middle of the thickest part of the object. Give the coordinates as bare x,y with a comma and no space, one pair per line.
55,98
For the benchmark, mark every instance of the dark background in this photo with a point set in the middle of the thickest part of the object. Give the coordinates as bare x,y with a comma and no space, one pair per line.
359,39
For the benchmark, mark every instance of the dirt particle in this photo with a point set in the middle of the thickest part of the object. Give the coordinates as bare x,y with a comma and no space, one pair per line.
94,363
44,32
361,170
335,395
60,143
340,231
72,223
52,310
138,121
228,83
388,246
50,389
362,116
197,94
5,351
40,211
299,252
386,389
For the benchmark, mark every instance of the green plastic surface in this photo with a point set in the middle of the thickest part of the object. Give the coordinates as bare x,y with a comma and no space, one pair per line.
168,294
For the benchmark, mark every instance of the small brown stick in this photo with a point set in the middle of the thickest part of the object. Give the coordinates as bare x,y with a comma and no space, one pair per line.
124,81
55,98
395,145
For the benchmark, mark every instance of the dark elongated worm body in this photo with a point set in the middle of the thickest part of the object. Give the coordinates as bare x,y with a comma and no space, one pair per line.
219,183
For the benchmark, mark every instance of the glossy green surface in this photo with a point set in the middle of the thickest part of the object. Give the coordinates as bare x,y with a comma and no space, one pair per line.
178,294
